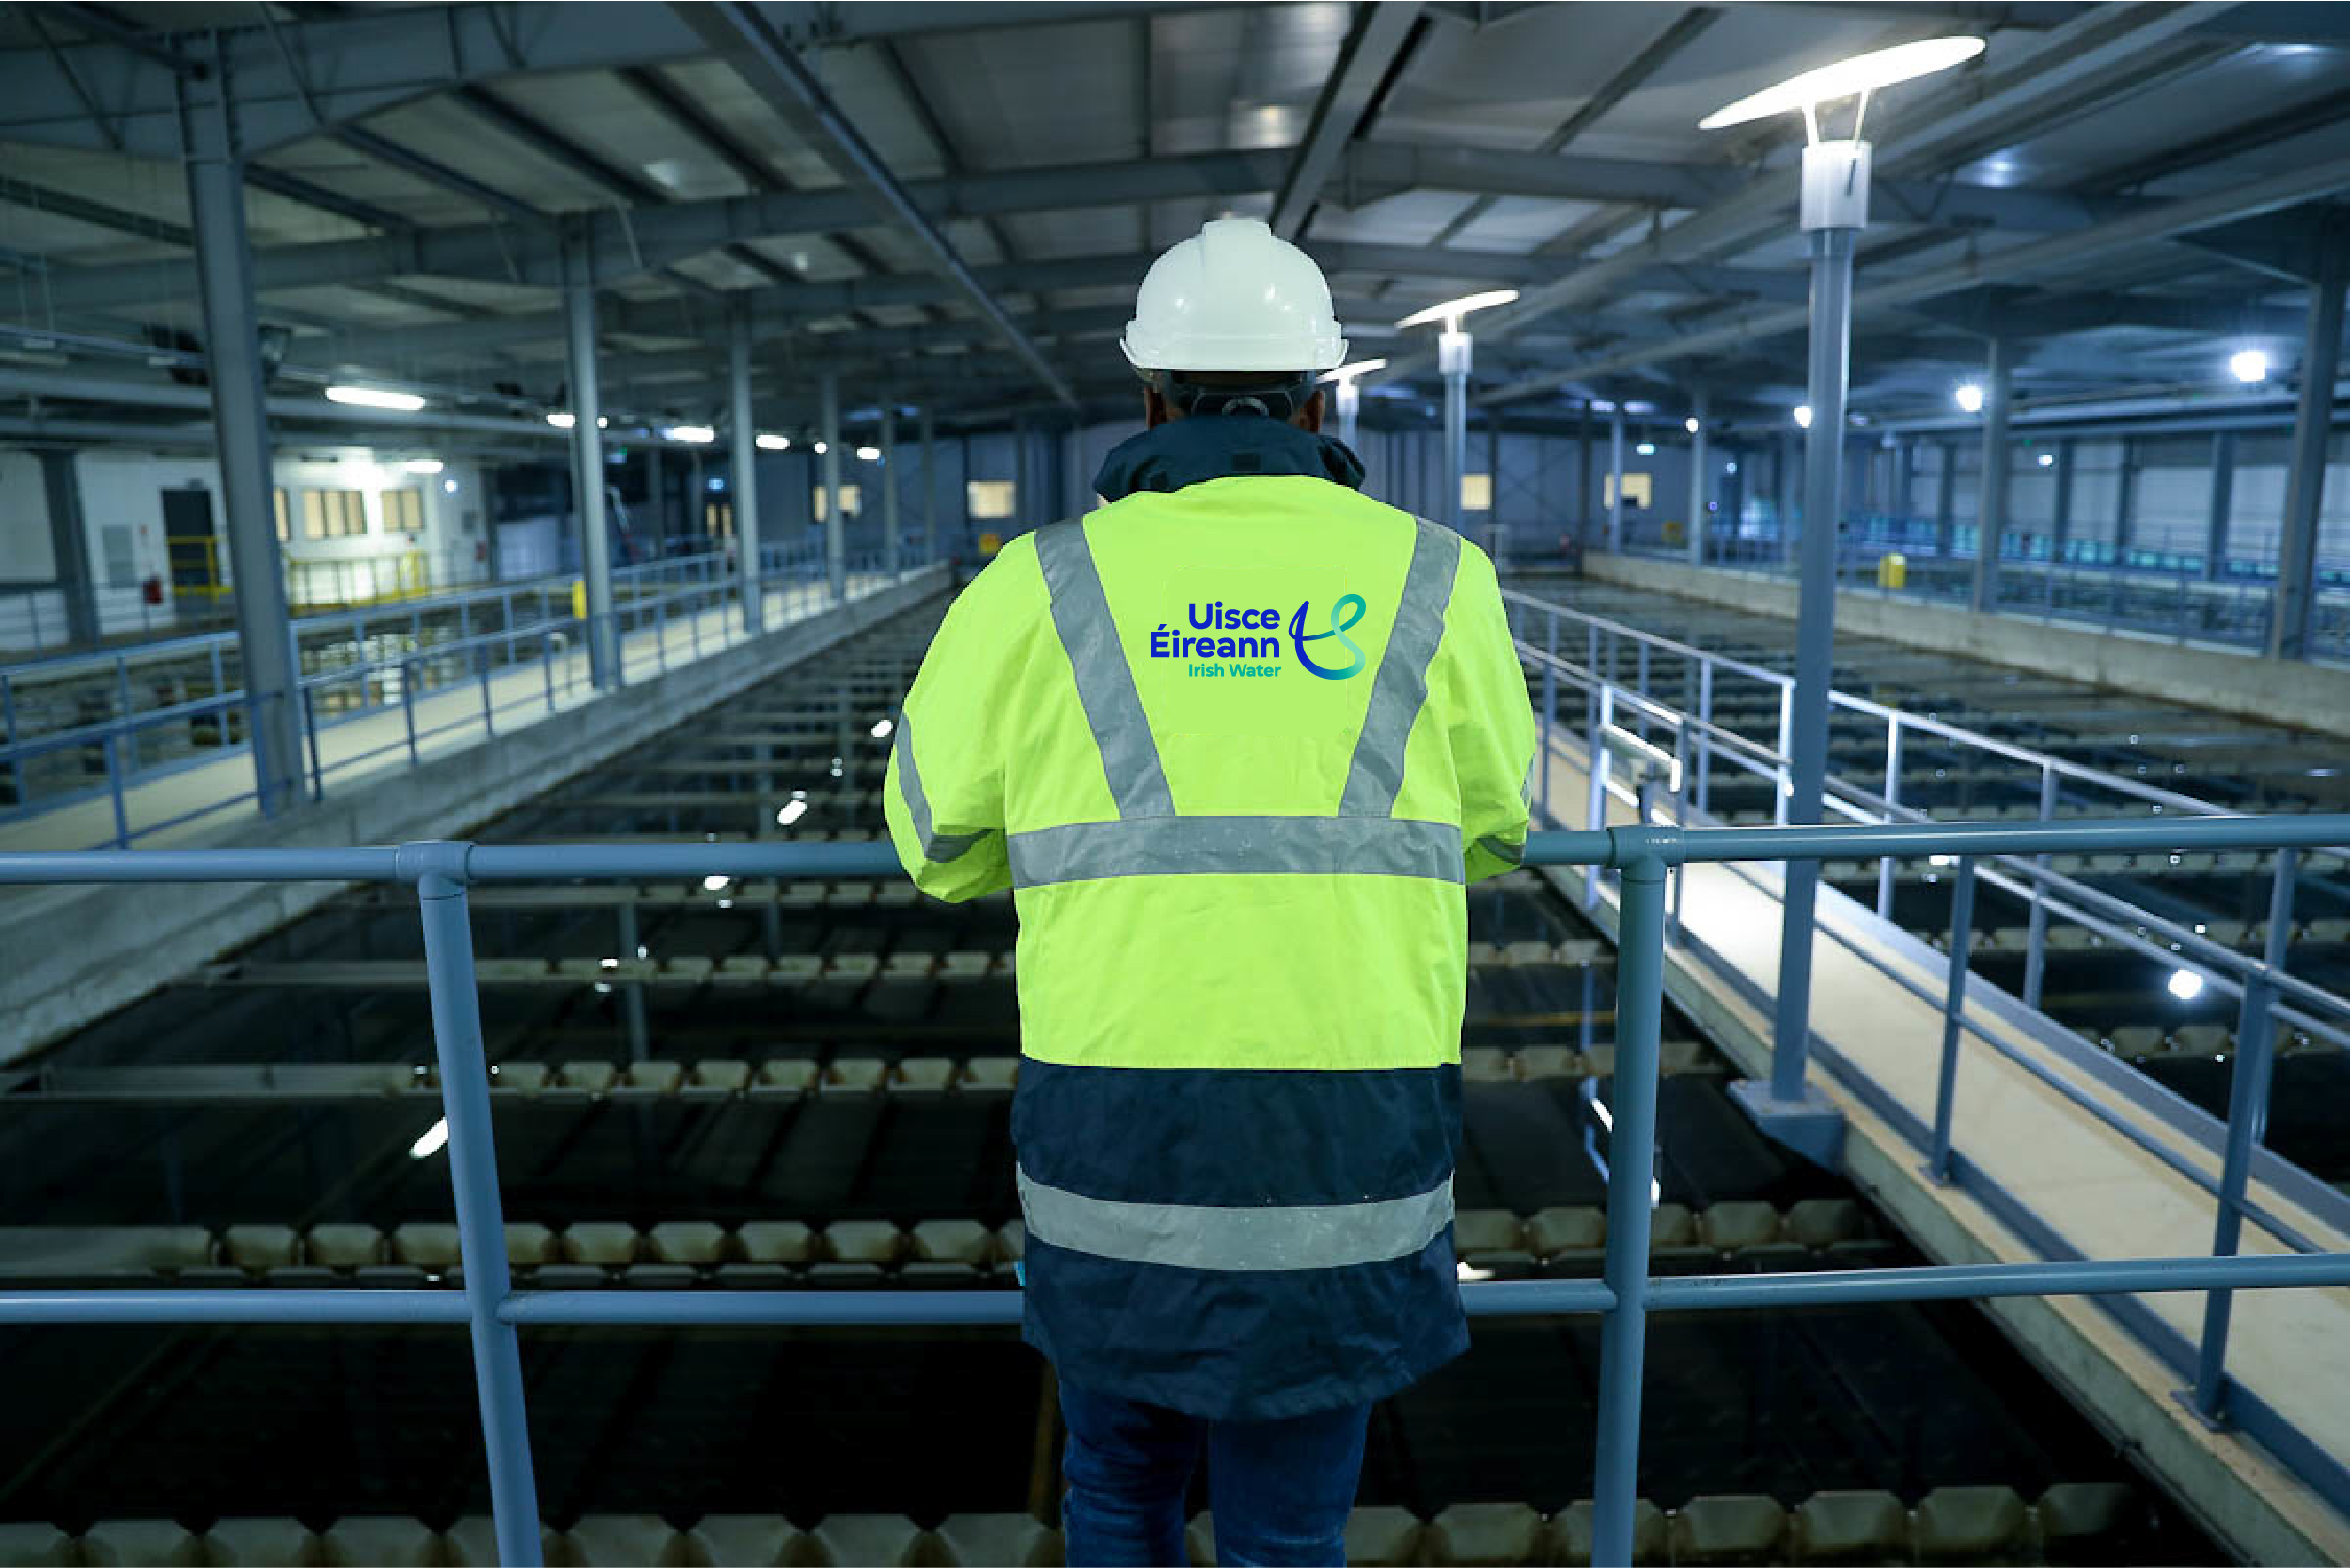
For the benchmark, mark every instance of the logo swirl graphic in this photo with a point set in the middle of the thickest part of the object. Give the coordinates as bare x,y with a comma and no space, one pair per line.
1344,616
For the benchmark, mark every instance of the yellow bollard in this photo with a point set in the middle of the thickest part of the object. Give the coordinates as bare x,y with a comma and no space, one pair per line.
579,599
1892,569
990,543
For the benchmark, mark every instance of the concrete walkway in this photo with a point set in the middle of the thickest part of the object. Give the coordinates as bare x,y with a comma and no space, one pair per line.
196,800
2097,1190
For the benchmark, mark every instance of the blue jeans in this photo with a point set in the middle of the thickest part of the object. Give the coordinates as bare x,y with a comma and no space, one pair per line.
1280,1491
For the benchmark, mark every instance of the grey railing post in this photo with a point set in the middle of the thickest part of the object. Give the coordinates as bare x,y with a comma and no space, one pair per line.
2248,1121
2036,937
438,870
1550,701
1893,798
1953,1011
1631,1161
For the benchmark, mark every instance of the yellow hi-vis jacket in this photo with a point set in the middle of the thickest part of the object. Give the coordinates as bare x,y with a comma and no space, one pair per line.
1237,749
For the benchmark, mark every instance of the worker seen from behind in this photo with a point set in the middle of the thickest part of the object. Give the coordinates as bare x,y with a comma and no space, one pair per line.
1237,741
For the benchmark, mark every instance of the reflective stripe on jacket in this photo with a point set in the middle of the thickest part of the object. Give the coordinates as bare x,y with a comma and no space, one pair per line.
1238,749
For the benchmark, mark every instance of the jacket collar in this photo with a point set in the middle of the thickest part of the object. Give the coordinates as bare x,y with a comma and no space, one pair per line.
1188,452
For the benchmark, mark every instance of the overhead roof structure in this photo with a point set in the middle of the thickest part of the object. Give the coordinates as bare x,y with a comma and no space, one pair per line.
953,202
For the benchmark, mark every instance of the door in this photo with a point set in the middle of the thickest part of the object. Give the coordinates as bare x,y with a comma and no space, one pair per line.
194,546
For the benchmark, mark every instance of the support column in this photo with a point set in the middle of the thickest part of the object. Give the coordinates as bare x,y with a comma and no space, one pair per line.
1453,356
2125,506
1784,473
1991,489
1904,482
1493,484
2304,479
930,489
2061,526
1700,482
224,265
835,537
69,543
2222,501
1584,512
1614,463
655,490
697,500
595,541
889,483
1946,500
745,482
1815,640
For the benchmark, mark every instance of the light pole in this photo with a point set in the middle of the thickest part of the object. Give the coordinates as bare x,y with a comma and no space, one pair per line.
1349,395
1835,204
1453,356
1834,209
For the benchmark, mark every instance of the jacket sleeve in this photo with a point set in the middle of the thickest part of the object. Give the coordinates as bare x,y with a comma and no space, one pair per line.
1491,721
945,793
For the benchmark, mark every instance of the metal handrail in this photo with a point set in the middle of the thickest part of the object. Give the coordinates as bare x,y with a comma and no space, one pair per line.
58,664
1975,738
2026,880
490,1306
118,735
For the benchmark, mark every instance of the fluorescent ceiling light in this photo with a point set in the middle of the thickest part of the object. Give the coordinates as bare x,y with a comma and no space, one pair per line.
1970,396
1690,424
1861,73
2250,364
2186,984
790,812
431,1143
697,435
561,420
881,728
1451,312
1803,415
373,397
870,454
715,883
1348,372
772,443
422,465
1646,448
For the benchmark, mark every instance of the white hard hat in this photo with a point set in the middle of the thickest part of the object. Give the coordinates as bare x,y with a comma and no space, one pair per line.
1234,297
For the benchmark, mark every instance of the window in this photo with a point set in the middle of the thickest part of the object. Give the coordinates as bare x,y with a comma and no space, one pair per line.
851,501
403,511
718,518
1477,493
986,499
1636,489
333,514
282,534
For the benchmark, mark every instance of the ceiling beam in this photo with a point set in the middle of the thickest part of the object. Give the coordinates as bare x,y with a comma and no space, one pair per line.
1684,30
774,69
529,250
2108,42
1382,33
356,61
2169,219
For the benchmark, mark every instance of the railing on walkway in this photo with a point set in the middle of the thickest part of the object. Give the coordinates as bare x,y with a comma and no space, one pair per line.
1617,698
1644,857
2148,592
1669,752
359,674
